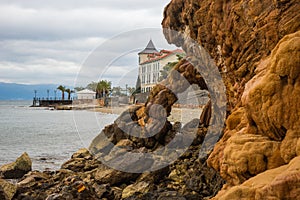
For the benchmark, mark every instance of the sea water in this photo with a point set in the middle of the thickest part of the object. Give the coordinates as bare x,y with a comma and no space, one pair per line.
49,137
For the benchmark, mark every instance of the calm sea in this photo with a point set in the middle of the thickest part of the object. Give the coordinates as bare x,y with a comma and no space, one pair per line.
49,137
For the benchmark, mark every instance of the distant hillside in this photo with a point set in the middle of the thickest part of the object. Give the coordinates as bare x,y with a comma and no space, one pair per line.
13,91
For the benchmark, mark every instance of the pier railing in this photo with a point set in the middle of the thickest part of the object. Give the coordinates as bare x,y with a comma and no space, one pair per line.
48,102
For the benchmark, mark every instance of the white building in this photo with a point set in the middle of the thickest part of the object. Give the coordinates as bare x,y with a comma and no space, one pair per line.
86,94
151,62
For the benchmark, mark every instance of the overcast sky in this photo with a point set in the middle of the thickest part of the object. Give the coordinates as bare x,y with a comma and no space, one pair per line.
49,41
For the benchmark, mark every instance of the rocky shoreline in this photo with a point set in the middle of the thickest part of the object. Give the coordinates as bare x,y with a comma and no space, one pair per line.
84,177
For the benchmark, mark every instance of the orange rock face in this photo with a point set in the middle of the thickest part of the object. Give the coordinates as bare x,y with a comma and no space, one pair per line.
279,183
238,34
256,46
263,133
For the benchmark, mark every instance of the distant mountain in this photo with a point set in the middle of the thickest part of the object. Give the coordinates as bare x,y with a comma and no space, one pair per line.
13,91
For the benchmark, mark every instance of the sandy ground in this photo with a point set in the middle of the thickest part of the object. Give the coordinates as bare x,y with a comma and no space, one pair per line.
111,110
183,115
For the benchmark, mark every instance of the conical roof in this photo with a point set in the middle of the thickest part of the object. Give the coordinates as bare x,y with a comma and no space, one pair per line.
149,49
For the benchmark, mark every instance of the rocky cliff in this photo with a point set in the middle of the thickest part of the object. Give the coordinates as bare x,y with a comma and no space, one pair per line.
256,46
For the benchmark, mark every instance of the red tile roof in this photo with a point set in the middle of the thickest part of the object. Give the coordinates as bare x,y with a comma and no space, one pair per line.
162,54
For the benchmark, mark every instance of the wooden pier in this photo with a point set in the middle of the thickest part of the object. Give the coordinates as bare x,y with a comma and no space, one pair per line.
38,102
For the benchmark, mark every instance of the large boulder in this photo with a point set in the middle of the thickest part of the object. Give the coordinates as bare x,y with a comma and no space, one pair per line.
18,168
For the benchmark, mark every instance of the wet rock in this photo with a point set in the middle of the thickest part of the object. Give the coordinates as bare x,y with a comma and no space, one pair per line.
136,188
18,168
114,177
30,179
7,190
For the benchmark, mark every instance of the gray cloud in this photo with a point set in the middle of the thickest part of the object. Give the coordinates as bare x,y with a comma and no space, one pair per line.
49,23
47,42
79,4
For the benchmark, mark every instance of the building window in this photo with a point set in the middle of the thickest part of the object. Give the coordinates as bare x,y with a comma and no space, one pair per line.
143,79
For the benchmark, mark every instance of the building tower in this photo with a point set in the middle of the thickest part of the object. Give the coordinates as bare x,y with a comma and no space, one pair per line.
151,62
144,55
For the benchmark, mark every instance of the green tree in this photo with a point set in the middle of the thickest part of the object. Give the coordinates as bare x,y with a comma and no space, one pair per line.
168,67
79,88
103,88
69,91
137,86
62,89
131,90
117,91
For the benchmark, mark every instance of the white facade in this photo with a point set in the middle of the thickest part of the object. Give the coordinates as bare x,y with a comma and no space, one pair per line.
151,62
86,94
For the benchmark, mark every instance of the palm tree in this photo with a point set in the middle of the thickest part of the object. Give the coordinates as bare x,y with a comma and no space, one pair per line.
103,88
62,89
69,91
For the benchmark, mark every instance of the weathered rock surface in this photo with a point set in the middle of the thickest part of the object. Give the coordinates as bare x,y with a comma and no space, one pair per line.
7,190
279,183
237,34
18,168
265,130
256,46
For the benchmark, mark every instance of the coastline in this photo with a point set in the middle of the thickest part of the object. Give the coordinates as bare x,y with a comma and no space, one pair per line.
177,113
183,115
